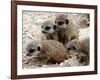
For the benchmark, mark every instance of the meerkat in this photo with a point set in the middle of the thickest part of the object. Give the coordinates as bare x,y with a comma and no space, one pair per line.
49,29
81,48
67,29
48,50
84,21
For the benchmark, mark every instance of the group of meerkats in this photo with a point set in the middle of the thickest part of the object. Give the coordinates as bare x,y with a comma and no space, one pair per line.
62,42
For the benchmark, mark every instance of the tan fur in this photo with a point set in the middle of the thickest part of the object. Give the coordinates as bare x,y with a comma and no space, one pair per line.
84,21
54,50
85,45
67,32
81,47
50,34
85,50
53,36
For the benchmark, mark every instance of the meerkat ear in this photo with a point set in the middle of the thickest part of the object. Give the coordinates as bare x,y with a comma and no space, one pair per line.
54,27
67,21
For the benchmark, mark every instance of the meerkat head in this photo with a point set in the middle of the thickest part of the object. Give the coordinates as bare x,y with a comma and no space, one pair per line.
85,21
33,48
83,58
48,27
73,46
61,21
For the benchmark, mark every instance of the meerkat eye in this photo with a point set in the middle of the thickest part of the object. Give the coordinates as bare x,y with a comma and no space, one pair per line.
73,47
38,48
69,49
81,60
88,24
47,28
31,50
67,21
77,57
54,27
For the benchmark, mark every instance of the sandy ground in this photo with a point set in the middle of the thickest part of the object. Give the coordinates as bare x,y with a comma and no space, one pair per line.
32,22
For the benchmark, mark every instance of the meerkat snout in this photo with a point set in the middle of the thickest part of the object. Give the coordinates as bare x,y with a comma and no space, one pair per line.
30,52
48,29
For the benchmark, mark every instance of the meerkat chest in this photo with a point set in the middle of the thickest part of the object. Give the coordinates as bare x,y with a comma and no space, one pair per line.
62,36
52,36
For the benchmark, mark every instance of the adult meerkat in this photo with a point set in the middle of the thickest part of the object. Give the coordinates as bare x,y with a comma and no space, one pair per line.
67,28
49,29
49,50
81,47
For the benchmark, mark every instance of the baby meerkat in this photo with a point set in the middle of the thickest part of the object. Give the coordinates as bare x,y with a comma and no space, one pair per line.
81,48
49,29
66,27
49,50
84,21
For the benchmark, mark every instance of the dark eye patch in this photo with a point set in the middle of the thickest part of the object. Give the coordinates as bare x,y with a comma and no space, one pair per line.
38,48
81,60
47,28
88,24
67,21
31,50
77,57
69,49
60,23
54,27
73,48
